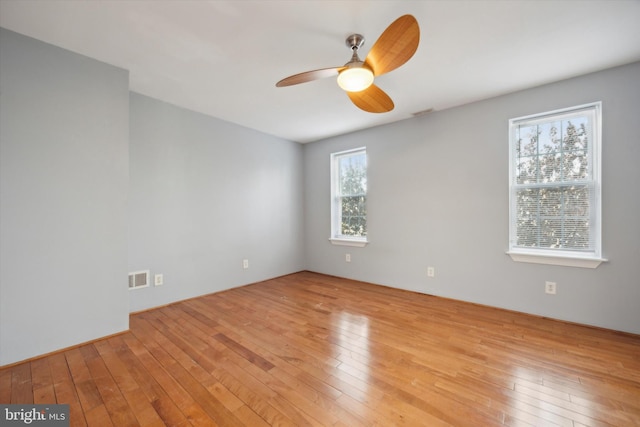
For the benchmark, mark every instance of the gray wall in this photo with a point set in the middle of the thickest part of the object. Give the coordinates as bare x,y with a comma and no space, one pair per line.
63,189
204,195
438,196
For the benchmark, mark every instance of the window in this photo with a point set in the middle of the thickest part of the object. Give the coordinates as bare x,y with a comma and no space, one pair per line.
349,197
554,180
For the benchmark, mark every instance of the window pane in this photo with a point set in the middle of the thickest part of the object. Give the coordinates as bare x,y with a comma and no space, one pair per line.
551,167
575,145
527,170
574,133
554,218
550,202
354,216
549,137
575,165
549,233
527,141
578,201
353,175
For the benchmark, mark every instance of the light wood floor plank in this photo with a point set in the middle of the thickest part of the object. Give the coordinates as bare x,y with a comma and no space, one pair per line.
21,389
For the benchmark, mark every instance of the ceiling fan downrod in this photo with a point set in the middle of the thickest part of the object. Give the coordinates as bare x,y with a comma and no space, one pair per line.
354,42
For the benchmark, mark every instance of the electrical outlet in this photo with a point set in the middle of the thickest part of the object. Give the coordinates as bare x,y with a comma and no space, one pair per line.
158,279
431,272
550,288
245,263
347,257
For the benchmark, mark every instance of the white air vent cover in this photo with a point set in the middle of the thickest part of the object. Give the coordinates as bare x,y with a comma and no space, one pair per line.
139,279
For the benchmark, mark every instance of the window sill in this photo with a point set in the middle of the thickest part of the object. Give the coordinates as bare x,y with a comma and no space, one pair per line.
567,261
359,243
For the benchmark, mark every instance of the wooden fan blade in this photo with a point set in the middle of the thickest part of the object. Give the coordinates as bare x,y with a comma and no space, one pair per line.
308,76
372,100
395,46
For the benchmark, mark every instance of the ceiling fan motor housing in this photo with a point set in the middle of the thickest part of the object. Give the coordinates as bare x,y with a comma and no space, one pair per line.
354,41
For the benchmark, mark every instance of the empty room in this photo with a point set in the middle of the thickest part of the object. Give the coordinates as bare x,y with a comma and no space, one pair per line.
320,213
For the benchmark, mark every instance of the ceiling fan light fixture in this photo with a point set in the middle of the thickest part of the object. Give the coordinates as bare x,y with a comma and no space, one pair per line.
355,79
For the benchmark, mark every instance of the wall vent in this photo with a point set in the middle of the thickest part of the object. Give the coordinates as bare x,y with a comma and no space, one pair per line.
139,279
423,112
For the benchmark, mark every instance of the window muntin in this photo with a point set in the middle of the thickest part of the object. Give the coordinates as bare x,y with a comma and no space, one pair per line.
349,195
555,183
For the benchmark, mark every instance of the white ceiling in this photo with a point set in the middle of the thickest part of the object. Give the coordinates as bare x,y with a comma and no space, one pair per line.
223,58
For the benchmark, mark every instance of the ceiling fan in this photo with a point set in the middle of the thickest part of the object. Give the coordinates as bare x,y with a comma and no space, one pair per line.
394,47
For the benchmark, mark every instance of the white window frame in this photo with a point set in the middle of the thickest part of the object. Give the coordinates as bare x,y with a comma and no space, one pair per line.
336,218
588,259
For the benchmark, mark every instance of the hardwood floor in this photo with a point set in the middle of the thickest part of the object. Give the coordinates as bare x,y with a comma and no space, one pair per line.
313,350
